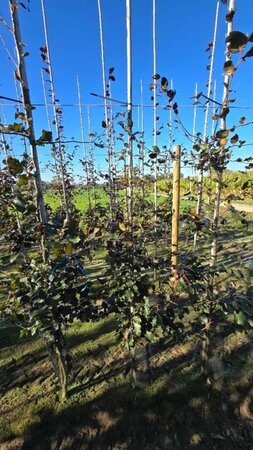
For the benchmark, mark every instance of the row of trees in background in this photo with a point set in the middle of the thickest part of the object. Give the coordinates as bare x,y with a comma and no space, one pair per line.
46,286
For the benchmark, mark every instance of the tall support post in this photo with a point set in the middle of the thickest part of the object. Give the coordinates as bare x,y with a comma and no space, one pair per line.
210,78
106,108
22,76
175,209
129,111
155,131
155,108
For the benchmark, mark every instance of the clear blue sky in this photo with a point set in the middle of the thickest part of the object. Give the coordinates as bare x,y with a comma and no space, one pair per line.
184,29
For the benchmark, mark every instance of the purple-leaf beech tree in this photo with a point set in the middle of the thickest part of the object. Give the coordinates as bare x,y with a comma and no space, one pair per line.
21,76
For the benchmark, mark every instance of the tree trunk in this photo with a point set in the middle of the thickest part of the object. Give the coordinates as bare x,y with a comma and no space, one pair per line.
22,77
56,119
227,78
86,167
108,138
209,85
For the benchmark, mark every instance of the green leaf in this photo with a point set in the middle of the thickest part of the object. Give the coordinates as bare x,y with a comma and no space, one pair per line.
239,318
122,226
137,325
13,257
19,205
15,166
23,333
46,136
69,249
23,180
150,336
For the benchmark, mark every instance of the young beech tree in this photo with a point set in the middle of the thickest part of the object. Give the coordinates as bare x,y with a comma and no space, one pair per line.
21,76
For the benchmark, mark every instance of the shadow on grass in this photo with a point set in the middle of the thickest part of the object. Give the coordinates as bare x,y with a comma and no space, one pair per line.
74,338
192,416
176,411
9,336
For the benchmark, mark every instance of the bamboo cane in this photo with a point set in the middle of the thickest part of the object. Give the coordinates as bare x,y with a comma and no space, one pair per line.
129,111
175,209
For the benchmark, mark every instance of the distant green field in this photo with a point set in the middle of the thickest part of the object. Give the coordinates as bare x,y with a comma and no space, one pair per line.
81,198
97,196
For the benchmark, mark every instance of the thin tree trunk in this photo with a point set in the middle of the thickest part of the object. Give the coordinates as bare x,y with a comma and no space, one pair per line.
201,172
226,83
50,129
21,75
86,168
91,156
114,198
170,135
108,140
56,118
209,184
142,157
194,141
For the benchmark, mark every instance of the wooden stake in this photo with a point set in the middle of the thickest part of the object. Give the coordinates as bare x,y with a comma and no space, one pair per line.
175,209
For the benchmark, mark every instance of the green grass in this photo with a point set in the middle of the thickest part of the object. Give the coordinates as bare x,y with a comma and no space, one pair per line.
99,196
81,198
